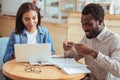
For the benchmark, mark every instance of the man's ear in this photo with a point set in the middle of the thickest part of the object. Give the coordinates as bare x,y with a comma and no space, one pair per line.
100,21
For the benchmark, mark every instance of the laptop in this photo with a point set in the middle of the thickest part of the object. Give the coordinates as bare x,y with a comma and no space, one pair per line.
33,52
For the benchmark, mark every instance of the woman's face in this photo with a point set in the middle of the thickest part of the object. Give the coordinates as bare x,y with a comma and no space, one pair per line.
30,20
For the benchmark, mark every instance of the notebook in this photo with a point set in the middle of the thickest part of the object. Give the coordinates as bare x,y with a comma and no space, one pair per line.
32,52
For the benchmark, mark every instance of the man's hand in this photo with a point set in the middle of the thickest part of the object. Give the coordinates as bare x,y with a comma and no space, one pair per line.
69,51
67,45
84,49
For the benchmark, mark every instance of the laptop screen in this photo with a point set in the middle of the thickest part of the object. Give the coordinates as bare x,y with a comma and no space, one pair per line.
32,52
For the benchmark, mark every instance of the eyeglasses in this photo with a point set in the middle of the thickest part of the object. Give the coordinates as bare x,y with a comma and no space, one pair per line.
32,68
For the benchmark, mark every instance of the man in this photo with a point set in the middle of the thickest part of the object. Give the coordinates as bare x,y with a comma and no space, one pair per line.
99,46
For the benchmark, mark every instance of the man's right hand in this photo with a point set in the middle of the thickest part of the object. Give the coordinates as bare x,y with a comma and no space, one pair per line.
68,45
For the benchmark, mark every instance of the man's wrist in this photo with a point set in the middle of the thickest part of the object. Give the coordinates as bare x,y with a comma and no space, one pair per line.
94,54
67,53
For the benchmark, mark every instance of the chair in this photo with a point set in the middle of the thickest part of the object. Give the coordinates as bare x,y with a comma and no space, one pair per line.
3,44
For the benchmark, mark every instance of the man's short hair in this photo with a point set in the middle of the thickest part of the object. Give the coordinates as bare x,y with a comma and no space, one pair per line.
95,9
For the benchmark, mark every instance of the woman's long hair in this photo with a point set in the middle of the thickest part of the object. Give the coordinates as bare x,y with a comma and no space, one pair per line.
25,7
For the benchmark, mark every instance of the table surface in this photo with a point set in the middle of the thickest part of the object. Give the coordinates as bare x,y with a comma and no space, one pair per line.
17,71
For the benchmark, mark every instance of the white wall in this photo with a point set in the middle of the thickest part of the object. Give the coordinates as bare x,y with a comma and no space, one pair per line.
10,7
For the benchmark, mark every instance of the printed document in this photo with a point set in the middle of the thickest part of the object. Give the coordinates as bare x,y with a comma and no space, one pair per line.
67,65
70,66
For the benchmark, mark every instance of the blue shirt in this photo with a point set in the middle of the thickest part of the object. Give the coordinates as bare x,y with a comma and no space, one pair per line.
42,37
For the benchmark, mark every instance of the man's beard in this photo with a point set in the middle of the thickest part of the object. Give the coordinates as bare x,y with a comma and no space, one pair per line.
93,33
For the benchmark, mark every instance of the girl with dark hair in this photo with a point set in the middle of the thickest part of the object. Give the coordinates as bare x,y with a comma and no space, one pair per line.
27,30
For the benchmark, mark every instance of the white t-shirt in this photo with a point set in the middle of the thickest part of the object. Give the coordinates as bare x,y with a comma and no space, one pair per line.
32,37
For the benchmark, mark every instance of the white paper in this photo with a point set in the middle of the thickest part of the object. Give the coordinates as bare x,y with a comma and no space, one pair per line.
67,65
70,66
75,70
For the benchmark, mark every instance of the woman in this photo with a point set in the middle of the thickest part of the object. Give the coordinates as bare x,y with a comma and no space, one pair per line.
27,30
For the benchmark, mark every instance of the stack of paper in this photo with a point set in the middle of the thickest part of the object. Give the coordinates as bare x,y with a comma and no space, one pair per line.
75,70
70,66
67,65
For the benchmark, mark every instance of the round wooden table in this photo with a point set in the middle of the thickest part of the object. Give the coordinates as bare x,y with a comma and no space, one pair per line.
17,71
